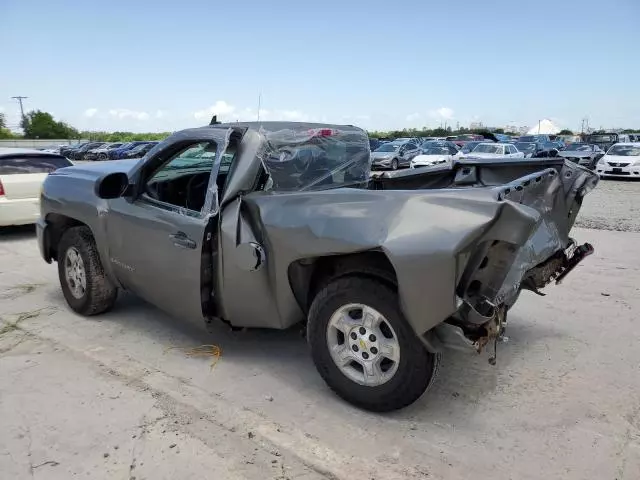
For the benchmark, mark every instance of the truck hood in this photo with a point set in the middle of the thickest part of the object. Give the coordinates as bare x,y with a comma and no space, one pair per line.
98,169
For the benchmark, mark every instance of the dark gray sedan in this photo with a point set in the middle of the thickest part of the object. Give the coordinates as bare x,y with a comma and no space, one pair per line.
584,154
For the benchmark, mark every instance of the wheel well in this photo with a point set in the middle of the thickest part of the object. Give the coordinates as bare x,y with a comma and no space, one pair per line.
307,276
57,225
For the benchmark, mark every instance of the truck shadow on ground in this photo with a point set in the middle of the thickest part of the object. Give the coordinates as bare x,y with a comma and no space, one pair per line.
17,233
463,379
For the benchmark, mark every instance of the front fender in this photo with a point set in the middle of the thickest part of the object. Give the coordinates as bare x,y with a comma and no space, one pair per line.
70,200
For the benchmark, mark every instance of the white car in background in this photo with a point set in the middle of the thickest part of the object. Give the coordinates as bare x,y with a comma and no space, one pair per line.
22,172
622,160
495,150
433,154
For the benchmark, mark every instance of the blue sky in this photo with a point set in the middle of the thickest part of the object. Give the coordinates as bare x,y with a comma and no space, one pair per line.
165,65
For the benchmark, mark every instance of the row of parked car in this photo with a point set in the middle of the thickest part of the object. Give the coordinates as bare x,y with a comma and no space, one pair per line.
420,152
106,150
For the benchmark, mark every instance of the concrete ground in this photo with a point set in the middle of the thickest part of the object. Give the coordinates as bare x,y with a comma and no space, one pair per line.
106,398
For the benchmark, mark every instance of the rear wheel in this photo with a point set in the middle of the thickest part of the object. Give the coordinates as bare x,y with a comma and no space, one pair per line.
364,348
102,156
84,284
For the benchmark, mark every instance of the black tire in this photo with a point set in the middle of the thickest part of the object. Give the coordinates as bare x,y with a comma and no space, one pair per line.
417,367
394,164
100,293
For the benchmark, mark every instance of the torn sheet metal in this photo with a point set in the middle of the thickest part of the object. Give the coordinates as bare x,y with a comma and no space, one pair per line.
430,225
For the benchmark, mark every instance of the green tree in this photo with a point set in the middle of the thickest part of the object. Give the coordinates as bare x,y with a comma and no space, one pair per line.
4,131
565,132
38,124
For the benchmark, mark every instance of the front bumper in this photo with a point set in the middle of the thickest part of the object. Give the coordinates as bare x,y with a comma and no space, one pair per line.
381,164
21,211
42,235
428,164
606,171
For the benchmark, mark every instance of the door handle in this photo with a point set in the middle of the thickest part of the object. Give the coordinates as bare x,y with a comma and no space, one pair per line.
181,240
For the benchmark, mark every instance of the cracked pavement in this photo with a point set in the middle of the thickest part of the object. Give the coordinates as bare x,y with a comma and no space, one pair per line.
104,398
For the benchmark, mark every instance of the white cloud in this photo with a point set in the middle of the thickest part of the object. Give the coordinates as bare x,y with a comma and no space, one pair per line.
413,117
160,113
251,115
221,108
292,116
231,113
123,113
443,113
90,112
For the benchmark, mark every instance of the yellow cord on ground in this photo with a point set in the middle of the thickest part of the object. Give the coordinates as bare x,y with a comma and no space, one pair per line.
201,351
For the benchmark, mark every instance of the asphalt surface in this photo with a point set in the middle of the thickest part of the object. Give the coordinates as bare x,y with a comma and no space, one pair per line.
106,397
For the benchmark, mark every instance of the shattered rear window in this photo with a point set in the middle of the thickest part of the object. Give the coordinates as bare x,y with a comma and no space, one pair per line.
316,158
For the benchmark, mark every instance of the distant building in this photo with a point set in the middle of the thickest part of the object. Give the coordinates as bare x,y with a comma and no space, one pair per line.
476,126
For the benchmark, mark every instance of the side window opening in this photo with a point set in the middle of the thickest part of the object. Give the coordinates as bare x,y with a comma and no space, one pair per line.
183,180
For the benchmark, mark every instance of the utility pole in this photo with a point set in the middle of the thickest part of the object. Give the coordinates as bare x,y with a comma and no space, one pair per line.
19,98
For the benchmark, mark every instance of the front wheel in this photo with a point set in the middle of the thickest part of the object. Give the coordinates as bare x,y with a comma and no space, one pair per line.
394,164
364,348
86,288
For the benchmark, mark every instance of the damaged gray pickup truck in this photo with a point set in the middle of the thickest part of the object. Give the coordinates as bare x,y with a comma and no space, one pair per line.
273,224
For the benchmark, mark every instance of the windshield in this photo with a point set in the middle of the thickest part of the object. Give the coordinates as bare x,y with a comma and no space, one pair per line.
528,138
469,146
387,147
624,151
312,157
436,150
579,147
431,143
486,148
602,138
525,146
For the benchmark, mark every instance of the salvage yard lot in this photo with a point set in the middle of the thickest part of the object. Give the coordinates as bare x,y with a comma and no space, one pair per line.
104,397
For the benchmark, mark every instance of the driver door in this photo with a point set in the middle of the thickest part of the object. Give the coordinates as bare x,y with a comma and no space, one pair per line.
156,238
